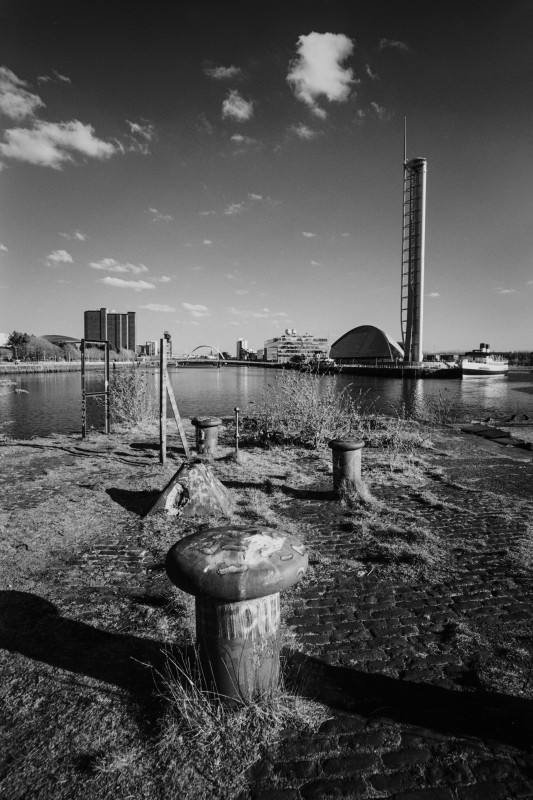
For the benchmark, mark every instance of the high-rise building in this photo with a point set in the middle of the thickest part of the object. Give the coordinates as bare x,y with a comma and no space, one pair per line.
104,325
413,254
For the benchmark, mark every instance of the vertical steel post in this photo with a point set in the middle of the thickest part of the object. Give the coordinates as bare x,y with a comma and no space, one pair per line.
107,408
236,409
162,401
83,396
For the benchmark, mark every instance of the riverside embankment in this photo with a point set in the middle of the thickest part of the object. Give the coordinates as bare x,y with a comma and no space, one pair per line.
411,633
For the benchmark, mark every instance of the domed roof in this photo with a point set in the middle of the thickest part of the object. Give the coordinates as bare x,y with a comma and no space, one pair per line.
366,341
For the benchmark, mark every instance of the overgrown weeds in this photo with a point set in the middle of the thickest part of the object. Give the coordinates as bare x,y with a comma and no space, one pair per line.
216,742
132,402
307,409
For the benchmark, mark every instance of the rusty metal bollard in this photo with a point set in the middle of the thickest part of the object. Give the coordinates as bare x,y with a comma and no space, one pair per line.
236,575
346,463
206,434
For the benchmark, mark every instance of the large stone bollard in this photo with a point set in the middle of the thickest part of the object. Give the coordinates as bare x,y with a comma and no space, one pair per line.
236,575
346,463
206,434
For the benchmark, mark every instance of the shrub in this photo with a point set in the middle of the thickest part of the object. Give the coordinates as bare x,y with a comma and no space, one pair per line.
132,402
307,409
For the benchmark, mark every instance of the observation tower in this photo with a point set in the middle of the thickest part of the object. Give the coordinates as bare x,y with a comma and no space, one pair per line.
413,252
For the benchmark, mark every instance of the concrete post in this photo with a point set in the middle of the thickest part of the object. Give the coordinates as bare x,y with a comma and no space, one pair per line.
206,434
236,575
346,463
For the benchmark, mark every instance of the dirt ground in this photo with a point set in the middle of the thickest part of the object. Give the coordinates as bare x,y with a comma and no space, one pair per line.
87,613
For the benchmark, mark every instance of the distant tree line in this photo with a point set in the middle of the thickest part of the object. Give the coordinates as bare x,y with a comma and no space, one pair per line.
26,347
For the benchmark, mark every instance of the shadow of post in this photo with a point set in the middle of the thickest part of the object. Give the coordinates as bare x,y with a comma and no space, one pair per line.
483,715
32,626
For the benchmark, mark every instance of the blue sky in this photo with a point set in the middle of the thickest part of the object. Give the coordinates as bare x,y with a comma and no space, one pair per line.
230,170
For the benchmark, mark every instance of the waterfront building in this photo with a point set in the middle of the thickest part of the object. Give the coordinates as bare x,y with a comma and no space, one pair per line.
104,325
292,346
366,344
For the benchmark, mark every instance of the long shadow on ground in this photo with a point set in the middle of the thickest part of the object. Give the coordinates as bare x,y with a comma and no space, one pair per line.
33,627
137,502
483,715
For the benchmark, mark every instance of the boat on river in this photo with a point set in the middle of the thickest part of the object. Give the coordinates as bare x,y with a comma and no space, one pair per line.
484,362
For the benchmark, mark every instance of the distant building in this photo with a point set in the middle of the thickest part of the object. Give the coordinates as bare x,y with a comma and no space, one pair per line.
366,344
240,349
292,346
118,329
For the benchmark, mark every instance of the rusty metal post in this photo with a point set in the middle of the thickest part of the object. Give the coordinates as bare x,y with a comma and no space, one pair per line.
236,575
346,463
206,434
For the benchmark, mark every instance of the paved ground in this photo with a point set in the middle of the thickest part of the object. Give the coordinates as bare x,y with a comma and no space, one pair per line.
419,710
428,680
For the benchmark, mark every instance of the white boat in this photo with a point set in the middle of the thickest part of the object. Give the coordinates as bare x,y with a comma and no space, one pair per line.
484,362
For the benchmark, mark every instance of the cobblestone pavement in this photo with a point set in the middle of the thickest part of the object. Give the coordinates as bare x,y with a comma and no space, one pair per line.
417,707
406,666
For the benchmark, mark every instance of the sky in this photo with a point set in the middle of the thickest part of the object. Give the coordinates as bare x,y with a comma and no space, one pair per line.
231,169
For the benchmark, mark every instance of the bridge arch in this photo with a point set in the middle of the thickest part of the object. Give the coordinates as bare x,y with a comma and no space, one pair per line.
212,346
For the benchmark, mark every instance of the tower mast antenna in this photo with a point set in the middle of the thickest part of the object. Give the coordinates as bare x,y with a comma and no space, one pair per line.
405,141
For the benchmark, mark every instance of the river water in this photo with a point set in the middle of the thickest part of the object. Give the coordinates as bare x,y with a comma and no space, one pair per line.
53,400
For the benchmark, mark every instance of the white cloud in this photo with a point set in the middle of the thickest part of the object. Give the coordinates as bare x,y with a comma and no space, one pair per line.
120,283
58,78
394,43
3,339
252,196
304,132
238,139
157,216
317,70
308,234
81,237
380,111
49,144
112,265
158,307
501,290
233,208
434,294
196,310
223,73
242,291
164,279
3,248
372,75
58,257
237,107
264,313
145,131
15,101
315,263
207,241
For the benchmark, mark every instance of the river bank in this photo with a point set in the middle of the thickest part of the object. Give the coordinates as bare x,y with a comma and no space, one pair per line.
412,628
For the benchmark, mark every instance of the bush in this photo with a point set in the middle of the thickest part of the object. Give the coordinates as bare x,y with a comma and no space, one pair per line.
132,402
307,409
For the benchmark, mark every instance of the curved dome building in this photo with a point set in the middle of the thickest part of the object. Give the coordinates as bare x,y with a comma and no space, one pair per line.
366,344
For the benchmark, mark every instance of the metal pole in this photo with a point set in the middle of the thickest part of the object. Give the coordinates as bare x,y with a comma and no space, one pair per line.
162,402
236,409
83,398
106,389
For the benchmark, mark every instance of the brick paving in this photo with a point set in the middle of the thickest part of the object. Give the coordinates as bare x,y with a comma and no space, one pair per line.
409,717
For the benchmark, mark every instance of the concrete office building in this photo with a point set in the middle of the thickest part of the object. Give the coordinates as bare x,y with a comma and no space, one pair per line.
104,325
283,349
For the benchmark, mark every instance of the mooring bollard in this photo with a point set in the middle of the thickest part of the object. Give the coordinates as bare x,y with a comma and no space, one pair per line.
346,463
206,434
236,575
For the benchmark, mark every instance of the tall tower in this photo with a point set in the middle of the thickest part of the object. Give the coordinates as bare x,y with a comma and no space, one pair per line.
413,252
